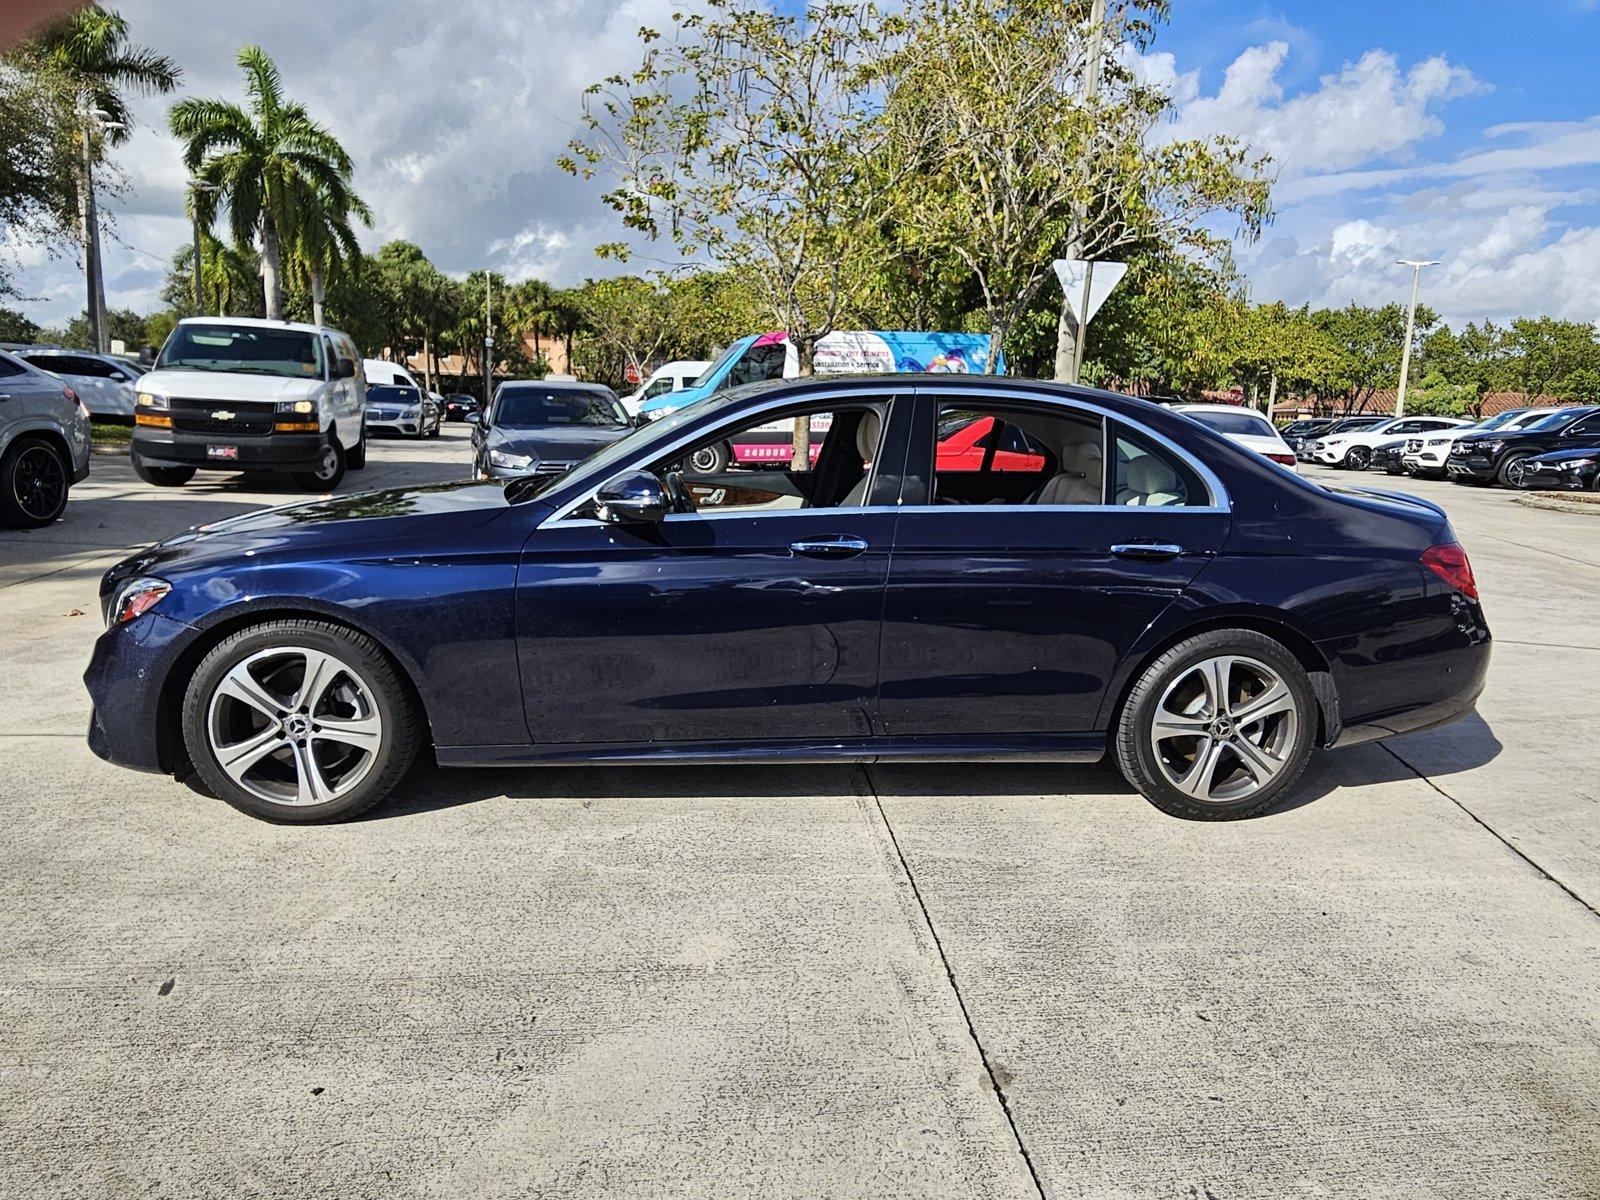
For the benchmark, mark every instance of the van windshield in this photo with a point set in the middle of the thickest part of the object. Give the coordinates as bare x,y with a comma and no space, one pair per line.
706,375
243,349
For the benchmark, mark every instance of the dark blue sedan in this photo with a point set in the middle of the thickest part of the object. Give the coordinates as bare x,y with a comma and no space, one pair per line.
1134,584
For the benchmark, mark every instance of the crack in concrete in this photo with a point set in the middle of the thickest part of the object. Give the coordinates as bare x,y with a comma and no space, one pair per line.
950,977
1490,830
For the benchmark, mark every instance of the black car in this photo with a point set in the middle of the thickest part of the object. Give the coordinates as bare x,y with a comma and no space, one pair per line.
1297,432
1500,457
543,429
1386,457
1568,470
457,406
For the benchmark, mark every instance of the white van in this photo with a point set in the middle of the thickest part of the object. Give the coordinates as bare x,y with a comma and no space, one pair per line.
673,377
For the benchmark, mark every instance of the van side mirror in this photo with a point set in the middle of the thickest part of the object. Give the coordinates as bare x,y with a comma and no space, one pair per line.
633,498
347,368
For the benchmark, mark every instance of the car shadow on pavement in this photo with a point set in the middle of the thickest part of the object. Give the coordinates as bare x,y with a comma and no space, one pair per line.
430,788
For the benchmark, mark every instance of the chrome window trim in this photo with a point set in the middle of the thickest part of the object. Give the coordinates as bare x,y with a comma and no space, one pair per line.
1221,502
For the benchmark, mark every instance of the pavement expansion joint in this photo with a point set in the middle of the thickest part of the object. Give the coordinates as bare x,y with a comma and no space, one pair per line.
950,976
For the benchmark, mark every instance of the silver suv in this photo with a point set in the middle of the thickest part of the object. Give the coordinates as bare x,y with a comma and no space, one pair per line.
44,444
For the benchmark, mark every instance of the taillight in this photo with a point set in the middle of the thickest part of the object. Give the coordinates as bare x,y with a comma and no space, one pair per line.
1287,460
1449,562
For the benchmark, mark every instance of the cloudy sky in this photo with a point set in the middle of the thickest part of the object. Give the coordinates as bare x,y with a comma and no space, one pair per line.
1466,131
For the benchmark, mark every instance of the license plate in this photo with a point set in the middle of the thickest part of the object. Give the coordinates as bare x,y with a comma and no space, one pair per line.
225,452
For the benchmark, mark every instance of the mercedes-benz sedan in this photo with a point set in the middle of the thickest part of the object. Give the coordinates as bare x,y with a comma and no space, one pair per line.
1146,589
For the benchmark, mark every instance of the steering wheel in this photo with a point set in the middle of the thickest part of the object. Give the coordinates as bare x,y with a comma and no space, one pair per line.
677,494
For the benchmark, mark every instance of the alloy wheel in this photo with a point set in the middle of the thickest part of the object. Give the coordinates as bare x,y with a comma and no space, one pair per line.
40,482
1517,472
294,725
1224,728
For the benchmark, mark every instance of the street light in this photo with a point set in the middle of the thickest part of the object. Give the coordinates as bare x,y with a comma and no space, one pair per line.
93,118
1416,266
197,186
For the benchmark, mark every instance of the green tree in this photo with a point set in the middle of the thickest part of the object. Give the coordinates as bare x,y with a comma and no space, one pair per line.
629,322
1006,162
1370,341
1545,351
37,154
14,327
278,171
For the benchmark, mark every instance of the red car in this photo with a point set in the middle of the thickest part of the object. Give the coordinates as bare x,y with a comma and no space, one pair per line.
968,443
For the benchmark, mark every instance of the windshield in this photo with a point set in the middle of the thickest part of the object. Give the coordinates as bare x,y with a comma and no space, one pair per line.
706,375
1512,417
1554,421
1235,422
243,349
533,406
1353,424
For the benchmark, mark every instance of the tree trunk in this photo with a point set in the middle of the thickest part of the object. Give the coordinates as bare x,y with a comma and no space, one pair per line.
271,267
997,339
316,293
805,350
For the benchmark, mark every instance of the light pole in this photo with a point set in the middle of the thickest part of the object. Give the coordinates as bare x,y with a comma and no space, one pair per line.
488,340
94,278
196,186
1416,265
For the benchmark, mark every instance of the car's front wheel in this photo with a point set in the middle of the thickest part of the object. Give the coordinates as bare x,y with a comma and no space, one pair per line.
299,721
1358,459
1513,471
1219,727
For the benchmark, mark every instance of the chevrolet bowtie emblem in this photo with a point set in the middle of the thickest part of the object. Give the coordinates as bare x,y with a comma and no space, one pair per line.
222,414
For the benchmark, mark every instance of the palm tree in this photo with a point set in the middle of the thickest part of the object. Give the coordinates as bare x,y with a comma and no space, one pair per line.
89,58
324,240
279,172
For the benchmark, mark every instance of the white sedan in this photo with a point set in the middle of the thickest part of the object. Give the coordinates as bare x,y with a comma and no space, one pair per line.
1354,449
1245,426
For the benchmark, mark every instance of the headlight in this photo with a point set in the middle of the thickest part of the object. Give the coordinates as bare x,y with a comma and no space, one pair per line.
135,598
511,462
410,412
1577,464
296,406
152,401
666,410
1493,447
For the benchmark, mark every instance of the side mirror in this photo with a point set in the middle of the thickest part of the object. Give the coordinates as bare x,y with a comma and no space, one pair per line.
473,418
636,498
347,368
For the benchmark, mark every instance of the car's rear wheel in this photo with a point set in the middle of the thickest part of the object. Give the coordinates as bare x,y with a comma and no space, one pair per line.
34,480
299,721
1513,471
329,469
1358,459
1218,727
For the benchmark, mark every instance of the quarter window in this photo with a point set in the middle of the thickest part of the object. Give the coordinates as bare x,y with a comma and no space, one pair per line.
1148,476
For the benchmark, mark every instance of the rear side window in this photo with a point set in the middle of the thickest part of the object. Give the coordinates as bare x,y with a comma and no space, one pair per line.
1149,476
8,368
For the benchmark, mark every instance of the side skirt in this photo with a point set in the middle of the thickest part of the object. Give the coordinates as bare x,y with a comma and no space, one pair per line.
1073,748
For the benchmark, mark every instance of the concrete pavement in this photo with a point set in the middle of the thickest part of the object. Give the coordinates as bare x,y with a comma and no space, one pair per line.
914,981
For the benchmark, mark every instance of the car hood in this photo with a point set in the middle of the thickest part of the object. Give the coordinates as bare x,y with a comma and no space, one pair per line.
363,521
569,443
1560,456
222,385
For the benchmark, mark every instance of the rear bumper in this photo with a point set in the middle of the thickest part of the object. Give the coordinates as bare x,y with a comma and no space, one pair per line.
1455,679
271,452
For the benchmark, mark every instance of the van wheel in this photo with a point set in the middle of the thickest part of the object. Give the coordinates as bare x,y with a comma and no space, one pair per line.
710,460
34,480
1219,727
162,476
328,471
356,458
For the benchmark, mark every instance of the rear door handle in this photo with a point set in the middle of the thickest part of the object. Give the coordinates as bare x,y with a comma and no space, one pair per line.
1147,550
833,545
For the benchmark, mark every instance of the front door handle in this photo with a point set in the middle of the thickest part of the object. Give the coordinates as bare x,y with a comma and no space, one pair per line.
833,545
1147,550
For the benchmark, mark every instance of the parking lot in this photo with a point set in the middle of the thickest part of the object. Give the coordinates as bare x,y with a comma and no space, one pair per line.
979,980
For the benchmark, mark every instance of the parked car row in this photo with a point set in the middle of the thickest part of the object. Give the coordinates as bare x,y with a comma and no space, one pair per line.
1549,447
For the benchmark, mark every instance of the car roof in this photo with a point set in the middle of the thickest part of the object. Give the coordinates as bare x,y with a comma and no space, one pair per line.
560,385
261,323
1216,408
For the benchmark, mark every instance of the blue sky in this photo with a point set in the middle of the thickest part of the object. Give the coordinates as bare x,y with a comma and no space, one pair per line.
1466,131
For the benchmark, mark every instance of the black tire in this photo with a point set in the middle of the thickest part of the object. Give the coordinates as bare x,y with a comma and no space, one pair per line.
438,427
710,460
1358,458
162,476
329,474
398,741
356,459
1136,754
35,478
1510,471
